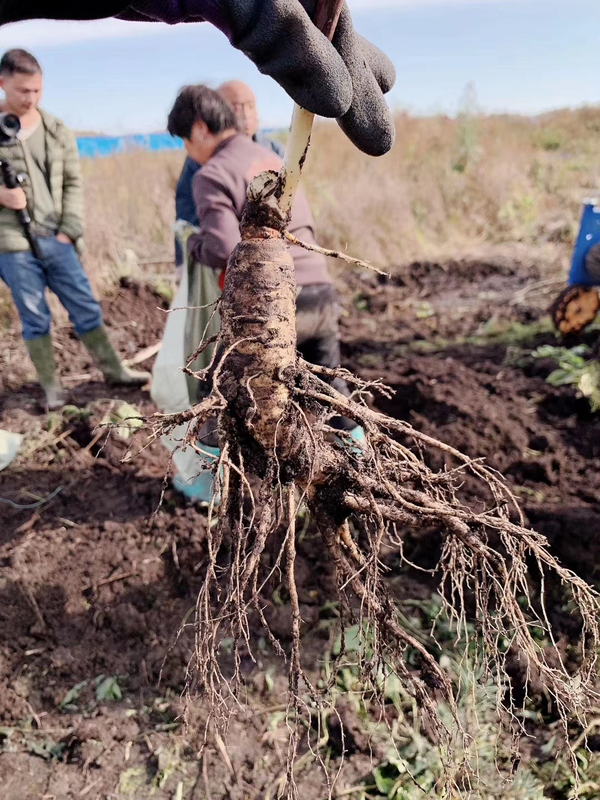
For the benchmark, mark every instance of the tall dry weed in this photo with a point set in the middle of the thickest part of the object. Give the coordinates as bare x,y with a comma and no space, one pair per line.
451,184
129,206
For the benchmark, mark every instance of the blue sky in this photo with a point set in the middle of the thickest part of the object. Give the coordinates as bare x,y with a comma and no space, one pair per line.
522,55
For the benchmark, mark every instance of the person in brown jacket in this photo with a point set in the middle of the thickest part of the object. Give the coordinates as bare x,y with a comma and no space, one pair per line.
230,160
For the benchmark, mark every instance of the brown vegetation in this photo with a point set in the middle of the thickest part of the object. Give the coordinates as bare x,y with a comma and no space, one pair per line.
448,186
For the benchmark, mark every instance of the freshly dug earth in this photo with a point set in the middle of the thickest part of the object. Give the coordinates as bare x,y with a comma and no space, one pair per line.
544,440
95,585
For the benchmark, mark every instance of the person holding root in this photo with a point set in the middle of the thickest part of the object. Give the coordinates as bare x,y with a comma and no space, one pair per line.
45,154
230,160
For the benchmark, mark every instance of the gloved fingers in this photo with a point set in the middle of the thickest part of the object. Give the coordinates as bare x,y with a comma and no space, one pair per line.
382,68
323,78
368,123
170,11
280,38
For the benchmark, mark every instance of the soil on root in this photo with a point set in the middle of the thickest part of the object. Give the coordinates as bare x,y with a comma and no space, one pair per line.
95,585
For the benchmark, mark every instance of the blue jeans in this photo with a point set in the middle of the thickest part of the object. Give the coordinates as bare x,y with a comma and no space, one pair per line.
61,271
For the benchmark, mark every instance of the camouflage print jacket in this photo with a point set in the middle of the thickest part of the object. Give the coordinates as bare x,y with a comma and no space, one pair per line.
66,185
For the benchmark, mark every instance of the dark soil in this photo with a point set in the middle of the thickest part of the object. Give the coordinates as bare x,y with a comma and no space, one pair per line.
99,581
544,440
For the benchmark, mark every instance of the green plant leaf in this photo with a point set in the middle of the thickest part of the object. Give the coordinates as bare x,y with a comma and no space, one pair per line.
47,749
73,694
352,641
108,689
269,682
385,781
424,310
131,781
125,420
564,377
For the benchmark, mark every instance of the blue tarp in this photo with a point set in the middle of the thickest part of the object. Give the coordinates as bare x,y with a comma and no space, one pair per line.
99,146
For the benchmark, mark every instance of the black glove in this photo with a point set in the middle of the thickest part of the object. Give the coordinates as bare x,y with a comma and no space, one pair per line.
345,80
368,122
18,10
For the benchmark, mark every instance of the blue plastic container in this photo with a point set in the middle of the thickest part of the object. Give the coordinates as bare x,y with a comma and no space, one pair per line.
589,235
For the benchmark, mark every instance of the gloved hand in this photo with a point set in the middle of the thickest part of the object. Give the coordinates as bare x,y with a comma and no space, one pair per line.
345,79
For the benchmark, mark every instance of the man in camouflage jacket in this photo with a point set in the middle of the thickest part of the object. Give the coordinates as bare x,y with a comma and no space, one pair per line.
45,154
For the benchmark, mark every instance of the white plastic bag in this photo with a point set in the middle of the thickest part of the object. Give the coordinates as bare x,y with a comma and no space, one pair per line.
10,444
169,388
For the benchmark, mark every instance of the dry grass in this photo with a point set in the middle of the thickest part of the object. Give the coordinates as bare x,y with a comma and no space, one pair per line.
130,205
449,186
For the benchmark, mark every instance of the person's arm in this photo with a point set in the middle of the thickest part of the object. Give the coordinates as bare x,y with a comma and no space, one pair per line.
185,207
219,223
71,221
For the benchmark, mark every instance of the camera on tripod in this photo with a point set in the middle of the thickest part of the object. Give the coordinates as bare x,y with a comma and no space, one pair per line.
10,125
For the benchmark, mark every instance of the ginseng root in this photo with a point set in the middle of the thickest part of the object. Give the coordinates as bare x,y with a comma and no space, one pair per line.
273,414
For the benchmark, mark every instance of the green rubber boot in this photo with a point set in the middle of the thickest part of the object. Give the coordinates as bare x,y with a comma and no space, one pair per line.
41,353
114,371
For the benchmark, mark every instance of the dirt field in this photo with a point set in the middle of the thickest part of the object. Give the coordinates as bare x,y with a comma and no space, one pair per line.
95,585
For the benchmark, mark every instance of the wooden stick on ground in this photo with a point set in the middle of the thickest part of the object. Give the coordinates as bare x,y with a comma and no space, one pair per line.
143,355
